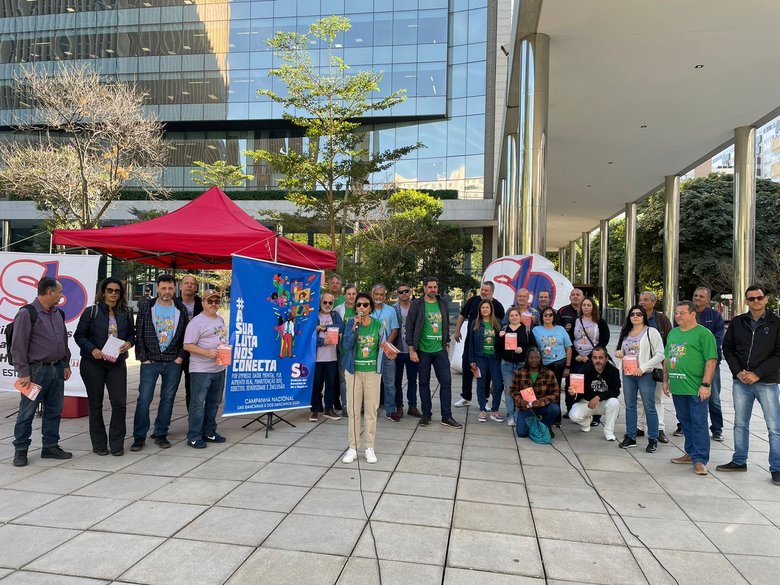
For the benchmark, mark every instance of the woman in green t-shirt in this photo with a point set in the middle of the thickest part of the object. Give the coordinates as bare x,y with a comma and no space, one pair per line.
486,356
362,357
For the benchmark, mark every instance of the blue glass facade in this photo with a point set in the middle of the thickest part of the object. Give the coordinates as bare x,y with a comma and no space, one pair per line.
201,62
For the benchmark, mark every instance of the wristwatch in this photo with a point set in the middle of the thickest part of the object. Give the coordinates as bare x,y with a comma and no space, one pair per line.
705,384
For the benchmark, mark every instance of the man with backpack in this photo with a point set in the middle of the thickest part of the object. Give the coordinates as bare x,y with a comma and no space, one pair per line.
40,354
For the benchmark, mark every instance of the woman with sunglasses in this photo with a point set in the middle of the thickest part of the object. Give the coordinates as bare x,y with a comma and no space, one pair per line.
326,370
642,349
362,357
485,355
109,316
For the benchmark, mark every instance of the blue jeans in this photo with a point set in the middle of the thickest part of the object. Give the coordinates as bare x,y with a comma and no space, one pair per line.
388,383
716,413
441,365
51,379
404,361
768,396
490,364
549,414
170,373
205,398
645,386
692,414
508,370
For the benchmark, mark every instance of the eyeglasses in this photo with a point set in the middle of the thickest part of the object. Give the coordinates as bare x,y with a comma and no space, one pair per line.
405,291
755,299
212,301
113,291
635,314
327,302
362,304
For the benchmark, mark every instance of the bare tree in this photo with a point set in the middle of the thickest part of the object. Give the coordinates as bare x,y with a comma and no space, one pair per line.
87,136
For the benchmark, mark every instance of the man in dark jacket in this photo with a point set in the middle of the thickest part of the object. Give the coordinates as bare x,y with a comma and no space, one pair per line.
159,346
188,286
602,388
752,350
428,337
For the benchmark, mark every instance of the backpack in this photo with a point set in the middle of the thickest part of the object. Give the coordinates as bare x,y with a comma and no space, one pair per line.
9,331
537,430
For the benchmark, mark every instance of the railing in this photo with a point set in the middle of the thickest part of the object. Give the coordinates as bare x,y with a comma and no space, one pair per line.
615,315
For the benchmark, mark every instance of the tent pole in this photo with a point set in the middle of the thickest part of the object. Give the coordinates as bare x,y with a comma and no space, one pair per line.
279,232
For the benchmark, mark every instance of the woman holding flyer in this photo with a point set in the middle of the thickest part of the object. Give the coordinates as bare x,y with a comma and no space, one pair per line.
326,370
590,330
641,349
536,392
513,341
362,356
486,357
104,334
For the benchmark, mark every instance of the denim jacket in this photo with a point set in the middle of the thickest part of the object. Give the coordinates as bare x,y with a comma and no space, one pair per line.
348,347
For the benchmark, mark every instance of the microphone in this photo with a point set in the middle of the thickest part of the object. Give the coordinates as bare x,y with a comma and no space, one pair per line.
358,317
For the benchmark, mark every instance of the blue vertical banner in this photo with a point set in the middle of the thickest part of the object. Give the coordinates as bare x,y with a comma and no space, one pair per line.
273,320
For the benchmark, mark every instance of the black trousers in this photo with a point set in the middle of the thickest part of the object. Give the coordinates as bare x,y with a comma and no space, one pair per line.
98,376
326,373
185,371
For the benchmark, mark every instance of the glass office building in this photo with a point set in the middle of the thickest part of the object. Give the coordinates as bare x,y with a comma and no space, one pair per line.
202,61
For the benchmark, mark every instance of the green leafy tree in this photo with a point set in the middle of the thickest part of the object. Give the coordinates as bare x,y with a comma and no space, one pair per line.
405,241
219,174
617,254
327,102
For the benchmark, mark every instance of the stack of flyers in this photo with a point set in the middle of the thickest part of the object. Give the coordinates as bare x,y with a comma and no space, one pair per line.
577,383
391,351
31,391
224,355
630,363
510,341
528,395
332,335
475,372
111,348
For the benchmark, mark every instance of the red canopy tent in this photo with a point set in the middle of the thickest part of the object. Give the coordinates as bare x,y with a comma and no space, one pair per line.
203,234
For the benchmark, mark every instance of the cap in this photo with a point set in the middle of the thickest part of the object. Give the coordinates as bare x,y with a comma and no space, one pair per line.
212,293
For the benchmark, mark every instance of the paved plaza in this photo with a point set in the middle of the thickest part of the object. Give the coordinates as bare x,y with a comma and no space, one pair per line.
453,507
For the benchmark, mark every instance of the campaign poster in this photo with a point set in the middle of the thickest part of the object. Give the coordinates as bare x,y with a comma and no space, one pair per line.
19,276
273,320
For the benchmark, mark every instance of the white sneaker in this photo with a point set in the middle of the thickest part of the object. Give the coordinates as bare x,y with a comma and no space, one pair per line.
370,456
462,402
609,437
349,456
510,421
585,429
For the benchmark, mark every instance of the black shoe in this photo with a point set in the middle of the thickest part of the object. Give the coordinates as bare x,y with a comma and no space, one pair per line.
162,441
215,438
678,432
566,416
393,416
425,421
138,444
20,458
652,446
662,437
627,443
776,477
717,437
640,433
552,435
100,452
55,452
451,422
594,422
118,452
731,466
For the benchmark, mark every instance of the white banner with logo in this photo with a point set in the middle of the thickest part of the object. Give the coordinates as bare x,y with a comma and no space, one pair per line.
19,276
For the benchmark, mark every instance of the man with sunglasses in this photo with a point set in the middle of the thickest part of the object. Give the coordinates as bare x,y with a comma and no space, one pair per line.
402,360
326,371
752,350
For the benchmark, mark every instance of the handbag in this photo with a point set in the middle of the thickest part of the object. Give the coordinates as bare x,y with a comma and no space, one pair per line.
537,430
658,373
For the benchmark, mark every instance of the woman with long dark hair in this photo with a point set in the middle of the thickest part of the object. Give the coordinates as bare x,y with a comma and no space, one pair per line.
486,356
108,317
590,330
512,355
641,349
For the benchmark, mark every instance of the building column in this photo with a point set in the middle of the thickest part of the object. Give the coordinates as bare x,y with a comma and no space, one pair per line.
5,239
744,214
532,142
603,264
511,203
629,272
573,261
501,218
671,243
586,257
562,266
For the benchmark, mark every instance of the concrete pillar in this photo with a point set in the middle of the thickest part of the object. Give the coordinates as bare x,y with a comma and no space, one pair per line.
573,261
744,214
562,266
5,239
603,264
501,218
512,198
671,244
629,272
586,257
532,142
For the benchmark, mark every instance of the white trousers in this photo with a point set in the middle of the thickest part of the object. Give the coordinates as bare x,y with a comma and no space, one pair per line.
582,415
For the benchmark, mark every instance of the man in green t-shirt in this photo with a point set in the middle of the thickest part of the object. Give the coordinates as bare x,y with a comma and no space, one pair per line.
428,337
691,359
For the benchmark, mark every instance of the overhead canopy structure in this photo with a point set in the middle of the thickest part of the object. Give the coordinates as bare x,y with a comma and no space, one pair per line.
201,235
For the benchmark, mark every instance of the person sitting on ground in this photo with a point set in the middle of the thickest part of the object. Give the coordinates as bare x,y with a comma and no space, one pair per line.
602,388
545,386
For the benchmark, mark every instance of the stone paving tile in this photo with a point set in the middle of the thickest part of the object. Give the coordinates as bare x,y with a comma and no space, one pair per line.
761,488
443,437
232,526
769,509
57,481
20,544
390,446
288,474
323,441
288,568
492,492
600,462
94,462
193,490
643,505
33,578
156,464
421,449
110,555
489,471
555,476
413,510
79,512
695,568
453,576
594,563
338,503
16,503
364,572
746,539
757,570
490,551
720,510
420,484
661,534
627,482
547,458
491,455
499,442
429,465
318,534
125,486
689,483
351,478
581,498
493,518
190,562
300,456
225,469
264,496
577,526
151,518
279,439
248,452
404,542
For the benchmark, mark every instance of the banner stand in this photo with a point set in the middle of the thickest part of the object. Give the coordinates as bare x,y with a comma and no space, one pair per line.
271,419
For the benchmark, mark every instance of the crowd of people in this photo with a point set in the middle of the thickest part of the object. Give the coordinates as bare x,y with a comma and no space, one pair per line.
531,356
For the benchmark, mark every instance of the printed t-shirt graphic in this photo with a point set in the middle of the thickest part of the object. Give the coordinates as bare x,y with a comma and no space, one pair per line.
367,347
489,345
431,337
686,355
164,325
